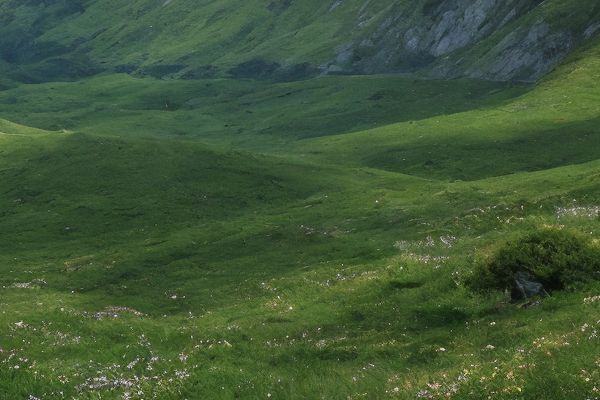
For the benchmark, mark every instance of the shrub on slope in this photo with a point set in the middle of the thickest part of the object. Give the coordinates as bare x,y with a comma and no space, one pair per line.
556,258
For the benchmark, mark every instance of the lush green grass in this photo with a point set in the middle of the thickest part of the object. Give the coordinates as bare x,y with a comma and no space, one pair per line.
257,115
315,254
553,125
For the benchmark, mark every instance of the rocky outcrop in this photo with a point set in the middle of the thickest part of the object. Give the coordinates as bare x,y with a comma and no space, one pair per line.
525,56
487,39
526,286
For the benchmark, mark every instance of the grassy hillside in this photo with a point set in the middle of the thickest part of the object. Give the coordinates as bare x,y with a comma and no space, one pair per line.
249,113
134,267
333,289
224,237
554,124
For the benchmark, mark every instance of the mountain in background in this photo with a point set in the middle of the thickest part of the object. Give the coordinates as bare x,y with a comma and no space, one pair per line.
43,40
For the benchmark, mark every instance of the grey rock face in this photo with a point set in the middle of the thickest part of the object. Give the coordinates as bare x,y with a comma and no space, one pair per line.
526,287
407,42
592,30
455,38
460,26
525,57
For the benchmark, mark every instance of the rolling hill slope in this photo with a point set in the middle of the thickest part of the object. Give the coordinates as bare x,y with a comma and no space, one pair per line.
554,124
163,269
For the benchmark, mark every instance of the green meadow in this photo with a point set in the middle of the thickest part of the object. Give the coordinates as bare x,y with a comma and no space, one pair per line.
222,238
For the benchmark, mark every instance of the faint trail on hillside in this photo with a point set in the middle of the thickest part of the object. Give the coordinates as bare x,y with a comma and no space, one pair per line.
14,134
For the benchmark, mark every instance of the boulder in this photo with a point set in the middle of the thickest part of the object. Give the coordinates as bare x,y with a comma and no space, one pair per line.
526,286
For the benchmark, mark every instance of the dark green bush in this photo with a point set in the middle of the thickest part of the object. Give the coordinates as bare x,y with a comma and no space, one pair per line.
558,259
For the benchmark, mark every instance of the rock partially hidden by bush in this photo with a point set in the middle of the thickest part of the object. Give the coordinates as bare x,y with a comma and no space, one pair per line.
550,259
526,286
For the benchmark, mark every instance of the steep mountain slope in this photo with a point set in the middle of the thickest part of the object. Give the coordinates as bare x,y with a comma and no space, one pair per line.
491,39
